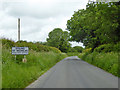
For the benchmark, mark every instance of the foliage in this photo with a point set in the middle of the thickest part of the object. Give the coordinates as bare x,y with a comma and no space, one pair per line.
43,43
106,61
32,46
19,75
7,43
108,48
59,39
73,53
78,48
96,25
87,50
116,47
72,50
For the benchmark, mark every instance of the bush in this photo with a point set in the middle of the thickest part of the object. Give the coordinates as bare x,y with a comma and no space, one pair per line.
72,49
86,52
116,47
55,50
108,48
6,43
78,49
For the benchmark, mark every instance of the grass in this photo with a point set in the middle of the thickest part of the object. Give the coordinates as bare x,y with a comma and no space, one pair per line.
16,74
106,61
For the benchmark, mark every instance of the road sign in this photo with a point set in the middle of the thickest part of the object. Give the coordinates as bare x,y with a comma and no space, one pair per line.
20,50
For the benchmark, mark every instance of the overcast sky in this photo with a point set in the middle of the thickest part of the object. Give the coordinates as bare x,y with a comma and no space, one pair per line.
38,17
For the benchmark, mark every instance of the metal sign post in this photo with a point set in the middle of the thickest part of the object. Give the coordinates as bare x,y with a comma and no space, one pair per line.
15,57
24,59
24,56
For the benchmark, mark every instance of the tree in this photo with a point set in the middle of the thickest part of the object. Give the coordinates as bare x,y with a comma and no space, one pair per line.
78,48
59,39
98,24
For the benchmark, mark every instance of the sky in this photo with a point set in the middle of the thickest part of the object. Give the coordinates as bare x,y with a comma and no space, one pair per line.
38,17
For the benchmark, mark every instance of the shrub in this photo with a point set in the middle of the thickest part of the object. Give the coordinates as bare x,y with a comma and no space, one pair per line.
55,50
87,50
108,48
7,43
78,48
72,49
116,47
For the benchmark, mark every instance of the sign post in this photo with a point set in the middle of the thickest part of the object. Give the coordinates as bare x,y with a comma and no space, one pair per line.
20,51
15,57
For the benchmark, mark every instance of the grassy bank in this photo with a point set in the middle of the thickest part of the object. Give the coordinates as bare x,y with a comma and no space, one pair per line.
105,56
106,61
16,74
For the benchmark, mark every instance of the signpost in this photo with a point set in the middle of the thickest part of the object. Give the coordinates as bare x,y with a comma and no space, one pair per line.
20,51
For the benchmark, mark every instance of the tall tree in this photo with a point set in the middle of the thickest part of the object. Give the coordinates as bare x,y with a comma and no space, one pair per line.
97,24
59,39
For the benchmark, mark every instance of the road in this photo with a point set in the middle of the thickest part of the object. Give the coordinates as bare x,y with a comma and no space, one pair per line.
72,72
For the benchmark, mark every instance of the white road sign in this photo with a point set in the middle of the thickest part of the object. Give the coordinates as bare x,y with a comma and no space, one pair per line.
20,50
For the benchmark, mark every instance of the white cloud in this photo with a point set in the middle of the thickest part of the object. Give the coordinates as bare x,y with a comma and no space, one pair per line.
38,17
77,44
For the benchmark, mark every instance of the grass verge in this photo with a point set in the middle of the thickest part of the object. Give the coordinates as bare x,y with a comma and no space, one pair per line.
16,74
106,61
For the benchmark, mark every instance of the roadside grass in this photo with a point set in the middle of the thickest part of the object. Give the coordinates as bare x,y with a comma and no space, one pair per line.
106,61
16,74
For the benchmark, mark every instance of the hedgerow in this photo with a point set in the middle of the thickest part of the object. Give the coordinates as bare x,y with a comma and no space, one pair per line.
32,46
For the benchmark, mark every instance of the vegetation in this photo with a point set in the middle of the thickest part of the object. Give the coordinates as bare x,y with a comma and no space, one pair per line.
16,74
78,49
108,48
96,25
106,61
38,47
59,39
73,54
105,57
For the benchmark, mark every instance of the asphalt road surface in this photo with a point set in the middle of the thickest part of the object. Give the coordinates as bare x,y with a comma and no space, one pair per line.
72,72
